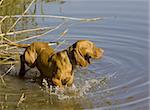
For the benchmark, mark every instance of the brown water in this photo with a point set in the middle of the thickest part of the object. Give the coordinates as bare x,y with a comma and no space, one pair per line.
117,82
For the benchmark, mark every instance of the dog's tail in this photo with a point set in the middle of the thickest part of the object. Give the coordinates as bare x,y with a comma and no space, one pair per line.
19,45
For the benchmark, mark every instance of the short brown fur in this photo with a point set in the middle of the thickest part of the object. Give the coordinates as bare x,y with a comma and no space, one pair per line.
58,67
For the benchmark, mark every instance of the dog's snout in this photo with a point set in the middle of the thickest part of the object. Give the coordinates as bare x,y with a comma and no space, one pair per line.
100,53
101,50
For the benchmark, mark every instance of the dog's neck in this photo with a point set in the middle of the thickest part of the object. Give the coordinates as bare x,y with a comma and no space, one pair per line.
70,53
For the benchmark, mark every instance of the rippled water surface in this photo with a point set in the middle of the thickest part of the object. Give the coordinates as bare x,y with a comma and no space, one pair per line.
119,81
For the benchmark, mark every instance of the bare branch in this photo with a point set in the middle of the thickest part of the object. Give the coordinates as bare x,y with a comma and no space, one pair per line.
58,17
27,30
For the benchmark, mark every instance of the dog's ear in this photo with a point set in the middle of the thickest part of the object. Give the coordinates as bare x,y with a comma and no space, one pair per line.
79,53
30,56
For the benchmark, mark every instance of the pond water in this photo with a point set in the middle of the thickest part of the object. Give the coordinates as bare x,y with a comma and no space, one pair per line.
119,81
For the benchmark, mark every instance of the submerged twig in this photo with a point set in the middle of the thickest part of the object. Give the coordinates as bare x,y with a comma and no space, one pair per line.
22,98
3,81
2,76
12,66
63,34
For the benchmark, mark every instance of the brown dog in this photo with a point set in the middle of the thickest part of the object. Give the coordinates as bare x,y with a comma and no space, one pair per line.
31,53
58,67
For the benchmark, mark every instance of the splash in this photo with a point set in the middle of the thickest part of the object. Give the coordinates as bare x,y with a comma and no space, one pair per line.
76,91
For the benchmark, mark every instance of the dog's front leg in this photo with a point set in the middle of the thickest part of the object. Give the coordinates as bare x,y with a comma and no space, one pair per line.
57,82
70,82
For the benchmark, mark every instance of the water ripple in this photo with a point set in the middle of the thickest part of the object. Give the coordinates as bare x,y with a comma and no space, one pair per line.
124,104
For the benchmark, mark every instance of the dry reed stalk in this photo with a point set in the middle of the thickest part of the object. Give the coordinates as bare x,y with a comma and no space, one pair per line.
27,30
3,19
2,35
8,53
16,53
8,62
1,2
61,35
5,97
36,36
1,24
3,81
7,58
3,45
21,16
58,17
5,54
14,23
2,106
2,76
22,98
12,66
12,59
4,38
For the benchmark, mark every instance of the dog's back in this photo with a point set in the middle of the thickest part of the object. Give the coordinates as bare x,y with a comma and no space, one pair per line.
33,54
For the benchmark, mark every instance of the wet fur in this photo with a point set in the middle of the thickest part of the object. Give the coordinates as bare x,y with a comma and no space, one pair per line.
58,67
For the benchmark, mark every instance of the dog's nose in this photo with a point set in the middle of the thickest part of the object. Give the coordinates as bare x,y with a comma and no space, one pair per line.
102,51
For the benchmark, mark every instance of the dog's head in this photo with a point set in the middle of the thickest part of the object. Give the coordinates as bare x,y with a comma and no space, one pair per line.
84,50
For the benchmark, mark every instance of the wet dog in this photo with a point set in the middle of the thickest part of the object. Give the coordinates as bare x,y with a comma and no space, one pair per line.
58,67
